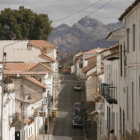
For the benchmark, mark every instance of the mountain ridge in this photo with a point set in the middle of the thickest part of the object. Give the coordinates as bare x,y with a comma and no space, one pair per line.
88,33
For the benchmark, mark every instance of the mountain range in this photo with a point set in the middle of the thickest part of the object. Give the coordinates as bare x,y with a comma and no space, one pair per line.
88,33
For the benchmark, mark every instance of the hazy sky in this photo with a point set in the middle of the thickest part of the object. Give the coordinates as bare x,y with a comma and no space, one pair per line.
107,11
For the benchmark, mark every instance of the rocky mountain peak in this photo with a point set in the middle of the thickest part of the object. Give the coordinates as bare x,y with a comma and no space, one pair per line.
87,34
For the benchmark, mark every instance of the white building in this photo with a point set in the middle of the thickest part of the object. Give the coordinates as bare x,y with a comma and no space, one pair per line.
73,69
9,113
129,74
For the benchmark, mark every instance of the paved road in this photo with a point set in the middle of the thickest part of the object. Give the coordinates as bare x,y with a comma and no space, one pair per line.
62,124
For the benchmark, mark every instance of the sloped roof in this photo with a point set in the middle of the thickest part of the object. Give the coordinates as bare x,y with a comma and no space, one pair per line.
33,80
10,72
19,66
47,67
91,57
42,44
94,50
24,67
48,57
96,96
129,9
26,119
90,66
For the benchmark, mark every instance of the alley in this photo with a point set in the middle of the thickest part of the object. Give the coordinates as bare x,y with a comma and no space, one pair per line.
63,123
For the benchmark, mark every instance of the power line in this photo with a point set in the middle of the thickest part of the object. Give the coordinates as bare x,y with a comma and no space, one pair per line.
92,12
81,10
99,7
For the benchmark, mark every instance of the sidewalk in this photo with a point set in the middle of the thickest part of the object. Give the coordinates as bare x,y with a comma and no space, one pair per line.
40,137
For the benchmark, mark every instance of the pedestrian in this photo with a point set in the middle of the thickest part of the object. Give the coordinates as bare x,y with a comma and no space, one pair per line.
46,127
112,135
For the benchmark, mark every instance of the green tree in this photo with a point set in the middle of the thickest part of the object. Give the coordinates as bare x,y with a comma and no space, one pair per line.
24,24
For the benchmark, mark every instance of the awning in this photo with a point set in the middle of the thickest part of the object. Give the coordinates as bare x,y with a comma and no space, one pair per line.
94,112
96,96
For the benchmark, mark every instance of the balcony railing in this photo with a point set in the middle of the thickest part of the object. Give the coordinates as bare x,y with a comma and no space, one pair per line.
108,92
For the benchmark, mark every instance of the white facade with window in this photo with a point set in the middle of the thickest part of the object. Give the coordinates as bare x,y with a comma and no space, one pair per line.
129,73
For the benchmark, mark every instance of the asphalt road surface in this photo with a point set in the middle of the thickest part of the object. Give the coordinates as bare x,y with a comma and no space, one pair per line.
62,129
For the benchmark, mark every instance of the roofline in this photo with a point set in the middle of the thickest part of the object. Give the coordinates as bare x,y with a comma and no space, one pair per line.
129,9
112,33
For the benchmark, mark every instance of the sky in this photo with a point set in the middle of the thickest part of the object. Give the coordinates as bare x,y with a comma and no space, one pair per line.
70,11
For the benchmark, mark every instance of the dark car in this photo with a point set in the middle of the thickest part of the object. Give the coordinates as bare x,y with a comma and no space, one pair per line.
77,121
78,108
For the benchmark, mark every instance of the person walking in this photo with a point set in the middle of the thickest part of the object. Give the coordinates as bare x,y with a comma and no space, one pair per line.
46,127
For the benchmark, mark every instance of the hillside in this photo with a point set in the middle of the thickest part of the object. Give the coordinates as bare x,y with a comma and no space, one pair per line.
87,34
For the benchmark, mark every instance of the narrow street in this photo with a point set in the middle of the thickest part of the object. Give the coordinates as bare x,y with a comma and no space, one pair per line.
63,123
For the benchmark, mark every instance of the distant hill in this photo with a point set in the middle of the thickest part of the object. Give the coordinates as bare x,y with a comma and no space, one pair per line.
87,34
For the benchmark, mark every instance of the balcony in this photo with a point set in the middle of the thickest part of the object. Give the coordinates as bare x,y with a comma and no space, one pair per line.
108,92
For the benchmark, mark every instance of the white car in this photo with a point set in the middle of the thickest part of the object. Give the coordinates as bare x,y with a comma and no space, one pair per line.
77,87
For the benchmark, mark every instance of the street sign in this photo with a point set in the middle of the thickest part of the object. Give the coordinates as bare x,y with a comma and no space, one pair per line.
42,114
53,113
36,114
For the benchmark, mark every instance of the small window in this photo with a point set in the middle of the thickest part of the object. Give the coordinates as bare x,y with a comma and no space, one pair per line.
121,61
123,124
134,36
128,40
120,120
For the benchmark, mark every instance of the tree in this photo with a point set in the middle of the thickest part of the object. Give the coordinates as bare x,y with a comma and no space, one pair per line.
24,24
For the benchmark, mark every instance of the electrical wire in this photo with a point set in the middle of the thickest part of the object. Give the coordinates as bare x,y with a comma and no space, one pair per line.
92,12
79,11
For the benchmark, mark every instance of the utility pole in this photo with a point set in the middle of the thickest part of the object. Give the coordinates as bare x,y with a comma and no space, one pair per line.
22,112
43,120
48,112
2,85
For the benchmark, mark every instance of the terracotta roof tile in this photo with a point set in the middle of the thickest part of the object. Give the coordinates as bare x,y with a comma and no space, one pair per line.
19,66
42,44
10,72
26,119
33,80
24,68
92,74
48,57
96,96
94,50
91,57
90,66
47,67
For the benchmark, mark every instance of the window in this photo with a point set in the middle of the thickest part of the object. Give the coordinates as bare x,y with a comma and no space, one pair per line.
139,91
132,104
109,119
120,120
120,60
127,103
139,34
127,40
100,126
134,36
29,132
26,133
123,124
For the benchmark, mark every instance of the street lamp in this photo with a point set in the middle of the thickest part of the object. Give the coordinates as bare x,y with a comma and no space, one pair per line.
29,47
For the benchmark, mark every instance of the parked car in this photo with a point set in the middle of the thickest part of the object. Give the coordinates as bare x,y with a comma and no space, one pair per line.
77,87
77,121
78,109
